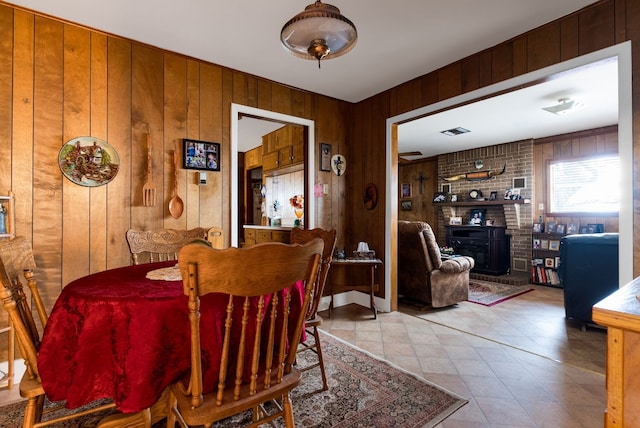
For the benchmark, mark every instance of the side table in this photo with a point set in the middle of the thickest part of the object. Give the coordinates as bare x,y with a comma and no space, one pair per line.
370,288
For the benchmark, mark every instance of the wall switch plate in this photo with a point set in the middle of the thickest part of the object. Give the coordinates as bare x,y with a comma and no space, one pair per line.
325,189
203,178
541,206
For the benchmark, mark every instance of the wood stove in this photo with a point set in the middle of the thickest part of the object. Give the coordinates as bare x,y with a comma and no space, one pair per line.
488,245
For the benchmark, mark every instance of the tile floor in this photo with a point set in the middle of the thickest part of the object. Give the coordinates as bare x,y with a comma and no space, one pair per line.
519,363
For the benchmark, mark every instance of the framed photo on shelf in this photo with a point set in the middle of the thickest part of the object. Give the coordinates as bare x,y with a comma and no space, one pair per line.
538,227
561,228
584,229
549,262
493,196
595,227
476,217
455,221
554,245
544,244
439,197
536,244
572,228
551,227
201,155
405,190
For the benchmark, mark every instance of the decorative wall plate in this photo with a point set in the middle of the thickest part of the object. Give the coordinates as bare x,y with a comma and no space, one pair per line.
88,161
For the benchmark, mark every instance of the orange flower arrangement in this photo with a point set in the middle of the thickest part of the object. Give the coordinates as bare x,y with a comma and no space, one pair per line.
297,201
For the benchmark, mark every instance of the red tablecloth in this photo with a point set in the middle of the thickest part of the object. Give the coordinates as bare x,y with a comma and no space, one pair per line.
117,334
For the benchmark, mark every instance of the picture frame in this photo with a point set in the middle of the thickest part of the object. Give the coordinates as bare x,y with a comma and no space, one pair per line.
446,188
561,228
405,205
573,228
200,155
439,197
538,227
536,244
549,262
544,244
454,197
584,229
325,157
477,217
554,245
493,196
405,190
595,227
455,221
551,227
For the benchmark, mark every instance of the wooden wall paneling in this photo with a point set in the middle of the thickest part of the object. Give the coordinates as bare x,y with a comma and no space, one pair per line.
620,20
469,73
450,81
597,27
239,87
175,123
6,101
98,125
543,46
190,129
126,189
520,65
147,115
430,89
501,62
76,104
47,125
224,194
211,126
264,95
485,63
280,98
22,117
252,91
569,38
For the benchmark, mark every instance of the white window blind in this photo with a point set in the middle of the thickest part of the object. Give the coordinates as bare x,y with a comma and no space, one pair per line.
585,185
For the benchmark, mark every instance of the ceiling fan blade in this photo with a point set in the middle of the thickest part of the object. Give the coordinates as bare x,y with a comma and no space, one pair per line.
414,153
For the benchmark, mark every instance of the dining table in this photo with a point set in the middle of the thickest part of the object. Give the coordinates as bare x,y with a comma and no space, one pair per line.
124,334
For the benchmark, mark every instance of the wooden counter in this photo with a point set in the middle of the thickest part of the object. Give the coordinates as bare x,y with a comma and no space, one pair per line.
255,234
620,313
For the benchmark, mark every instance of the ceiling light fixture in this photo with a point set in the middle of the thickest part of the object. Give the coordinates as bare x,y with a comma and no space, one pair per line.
564,106
455,131
319,32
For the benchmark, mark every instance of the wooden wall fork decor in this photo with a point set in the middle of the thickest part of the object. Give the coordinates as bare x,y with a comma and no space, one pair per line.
149,188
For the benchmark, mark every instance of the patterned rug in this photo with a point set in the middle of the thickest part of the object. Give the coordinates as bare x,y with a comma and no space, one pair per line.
491,293
364,391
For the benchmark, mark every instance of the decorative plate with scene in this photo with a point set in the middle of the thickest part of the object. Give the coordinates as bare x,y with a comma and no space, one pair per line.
88,161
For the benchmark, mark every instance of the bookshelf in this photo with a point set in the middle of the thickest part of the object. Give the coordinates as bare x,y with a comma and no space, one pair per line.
545,253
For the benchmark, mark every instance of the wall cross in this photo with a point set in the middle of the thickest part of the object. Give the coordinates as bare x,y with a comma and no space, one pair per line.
421,179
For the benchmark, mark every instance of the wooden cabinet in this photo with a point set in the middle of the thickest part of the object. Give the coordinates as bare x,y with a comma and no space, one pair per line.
620,313
255,235
283,147
253,158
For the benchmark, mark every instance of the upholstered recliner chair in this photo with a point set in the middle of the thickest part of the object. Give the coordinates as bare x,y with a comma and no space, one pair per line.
422,274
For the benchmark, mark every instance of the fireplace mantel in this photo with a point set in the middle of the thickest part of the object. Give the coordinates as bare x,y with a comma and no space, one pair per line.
510,207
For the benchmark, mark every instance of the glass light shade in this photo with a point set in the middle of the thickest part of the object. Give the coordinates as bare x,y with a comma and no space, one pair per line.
319,32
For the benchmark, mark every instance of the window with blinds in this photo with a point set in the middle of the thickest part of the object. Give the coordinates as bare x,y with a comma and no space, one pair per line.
590,185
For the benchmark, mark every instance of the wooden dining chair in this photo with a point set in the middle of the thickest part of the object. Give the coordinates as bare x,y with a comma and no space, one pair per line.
260,286
302,236
216,237
160,244
17,261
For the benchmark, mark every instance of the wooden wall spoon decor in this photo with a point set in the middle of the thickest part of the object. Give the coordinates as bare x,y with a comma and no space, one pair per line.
176,206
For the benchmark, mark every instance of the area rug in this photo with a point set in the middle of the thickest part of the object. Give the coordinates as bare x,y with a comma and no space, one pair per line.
491,293
364,391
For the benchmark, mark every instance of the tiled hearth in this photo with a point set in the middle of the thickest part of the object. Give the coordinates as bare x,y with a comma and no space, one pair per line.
512,279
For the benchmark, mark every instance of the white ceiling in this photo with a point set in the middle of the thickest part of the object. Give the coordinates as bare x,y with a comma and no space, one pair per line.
398,41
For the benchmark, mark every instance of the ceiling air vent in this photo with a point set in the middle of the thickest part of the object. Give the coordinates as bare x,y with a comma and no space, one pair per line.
455,131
